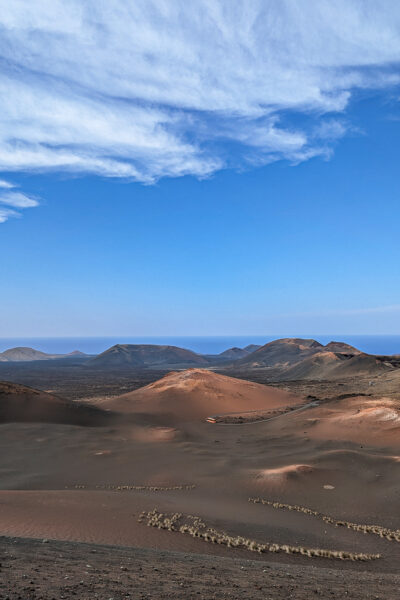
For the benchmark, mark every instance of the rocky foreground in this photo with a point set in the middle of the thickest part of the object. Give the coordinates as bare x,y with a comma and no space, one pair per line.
49,570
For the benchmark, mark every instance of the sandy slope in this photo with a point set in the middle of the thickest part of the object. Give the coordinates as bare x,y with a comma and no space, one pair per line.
367,420
19,403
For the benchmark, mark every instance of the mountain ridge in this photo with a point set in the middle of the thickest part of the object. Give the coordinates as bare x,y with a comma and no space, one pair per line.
144,355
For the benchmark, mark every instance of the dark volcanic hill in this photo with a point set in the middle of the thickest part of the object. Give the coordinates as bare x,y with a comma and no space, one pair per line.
284,352
19,403
146,355
296,359
336,365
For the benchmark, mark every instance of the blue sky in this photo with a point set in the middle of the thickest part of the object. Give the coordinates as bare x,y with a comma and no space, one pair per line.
167,172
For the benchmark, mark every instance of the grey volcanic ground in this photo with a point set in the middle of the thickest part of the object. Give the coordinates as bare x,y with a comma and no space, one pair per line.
84,470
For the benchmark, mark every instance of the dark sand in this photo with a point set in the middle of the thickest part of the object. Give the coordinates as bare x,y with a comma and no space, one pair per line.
32,570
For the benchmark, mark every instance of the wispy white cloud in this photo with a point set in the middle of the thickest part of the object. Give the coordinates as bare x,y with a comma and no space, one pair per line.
6,213
18,200
13,199
157,88
6,184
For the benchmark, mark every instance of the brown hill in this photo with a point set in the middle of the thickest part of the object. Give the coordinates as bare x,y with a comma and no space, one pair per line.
197,393
342,347
146,355
284,352
19,403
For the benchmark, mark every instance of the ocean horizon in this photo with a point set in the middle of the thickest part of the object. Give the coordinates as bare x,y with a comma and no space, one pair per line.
371,344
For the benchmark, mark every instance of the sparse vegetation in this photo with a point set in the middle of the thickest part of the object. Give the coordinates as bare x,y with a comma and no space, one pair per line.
140,488
196,528
383,532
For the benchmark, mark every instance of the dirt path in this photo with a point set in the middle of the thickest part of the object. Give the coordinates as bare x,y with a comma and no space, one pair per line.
290,411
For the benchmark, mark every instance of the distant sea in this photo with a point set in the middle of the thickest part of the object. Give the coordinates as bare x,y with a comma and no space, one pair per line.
372,344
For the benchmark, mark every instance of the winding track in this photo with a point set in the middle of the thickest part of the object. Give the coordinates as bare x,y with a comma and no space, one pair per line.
288,412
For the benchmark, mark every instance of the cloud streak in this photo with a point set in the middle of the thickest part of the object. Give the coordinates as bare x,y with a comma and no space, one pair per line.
9,200
6,213
5,185
161,88
18,200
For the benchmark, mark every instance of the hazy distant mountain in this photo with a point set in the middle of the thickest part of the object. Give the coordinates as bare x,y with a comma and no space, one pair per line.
234,353
146,355
252,347
284,359
23,354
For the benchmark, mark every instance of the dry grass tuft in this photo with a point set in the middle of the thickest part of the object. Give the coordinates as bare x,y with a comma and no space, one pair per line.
140,488
383,532
196,528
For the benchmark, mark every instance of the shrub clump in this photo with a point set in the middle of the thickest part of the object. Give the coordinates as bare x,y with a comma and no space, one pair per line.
383,532
127,488
196,528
